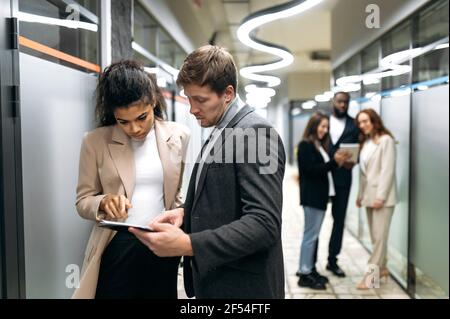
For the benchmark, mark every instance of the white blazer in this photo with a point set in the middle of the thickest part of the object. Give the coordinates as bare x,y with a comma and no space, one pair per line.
378,181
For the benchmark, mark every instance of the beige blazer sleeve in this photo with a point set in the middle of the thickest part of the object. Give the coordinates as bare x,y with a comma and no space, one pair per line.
387,172
89,189
185,137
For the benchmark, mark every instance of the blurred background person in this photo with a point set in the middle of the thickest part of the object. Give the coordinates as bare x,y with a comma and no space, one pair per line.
316,187
377,191
342,130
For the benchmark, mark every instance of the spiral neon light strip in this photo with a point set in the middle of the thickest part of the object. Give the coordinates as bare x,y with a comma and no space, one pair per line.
389,66
285,58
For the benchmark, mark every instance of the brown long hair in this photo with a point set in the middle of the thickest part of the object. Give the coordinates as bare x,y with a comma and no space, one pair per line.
310,134
378,126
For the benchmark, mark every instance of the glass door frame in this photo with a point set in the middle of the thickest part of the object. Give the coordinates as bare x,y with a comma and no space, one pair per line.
11,205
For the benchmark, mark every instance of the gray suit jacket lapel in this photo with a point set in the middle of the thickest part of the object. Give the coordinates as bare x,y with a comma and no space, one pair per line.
218,147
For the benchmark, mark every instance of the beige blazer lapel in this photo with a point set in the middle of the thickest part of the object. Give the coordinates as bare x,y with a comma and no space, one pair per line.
373,157
169,149
123,158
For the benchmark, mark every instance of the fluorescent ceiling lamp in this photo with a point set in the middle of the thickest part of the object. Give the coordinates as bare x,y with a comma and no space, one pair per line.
182,94
391,63
321,98
422,87
271,80
72,24
308,105
370,80
442,46
256,104
296,112
162,82
253,89
257,100
285,57
136,47
152,70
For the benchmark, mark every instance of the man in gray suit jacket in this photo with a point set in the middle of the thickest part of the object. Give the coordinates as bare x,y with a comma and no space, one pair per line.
231,218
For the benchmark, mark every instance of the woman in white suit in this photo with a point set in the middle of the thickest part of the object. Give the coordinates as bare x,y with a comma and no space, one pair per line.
377,189
131,169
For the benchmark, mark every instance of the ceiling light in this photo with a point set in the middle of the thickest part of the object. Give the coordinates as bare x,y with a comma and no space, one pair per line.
296,112
321,98
422,87
182,94
252,88
256,20
442,46
151,70
73,24
308,105
141,50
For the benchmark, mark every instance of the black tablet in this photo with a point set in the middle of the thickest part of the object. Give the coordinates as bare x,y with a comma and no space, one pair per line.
119,226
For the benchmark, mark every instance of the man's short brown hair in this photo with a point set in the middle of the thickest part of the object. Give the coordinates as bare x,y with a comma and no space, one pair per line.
209,65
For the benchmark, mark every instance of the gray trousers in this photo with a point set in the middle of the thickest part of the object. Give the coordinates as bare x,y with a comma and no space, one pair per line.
313,222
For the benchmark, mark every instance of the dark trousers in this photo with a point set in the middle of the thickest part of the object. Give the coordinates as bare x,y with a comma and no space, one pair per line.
339,204
129,269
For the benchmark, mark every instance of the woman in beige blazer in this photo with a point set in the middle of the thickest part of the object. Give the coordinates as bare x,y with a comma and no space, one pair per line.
377,188
131,169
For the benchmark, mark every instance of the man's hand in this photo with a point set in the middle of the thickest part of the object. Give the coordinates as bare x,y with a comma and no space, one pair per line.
174,217
358,203
166,241
378,203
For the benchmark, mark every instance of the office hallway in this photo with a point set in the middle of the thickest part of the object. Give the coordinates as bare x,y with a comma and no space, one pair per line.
352,259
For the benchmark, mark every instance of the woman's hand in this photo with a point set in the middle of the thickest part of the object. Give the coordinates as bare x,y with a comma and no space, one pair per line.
341,157
174,217
115,206
378,203
358,203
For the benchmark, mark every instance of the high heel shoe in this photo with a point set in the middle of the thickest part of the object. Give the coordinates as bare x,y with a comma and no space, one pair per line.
384,273
362,285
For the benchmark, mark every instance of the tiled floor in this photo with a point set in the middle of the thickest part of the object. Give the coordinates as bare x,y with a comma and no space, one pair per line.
352,259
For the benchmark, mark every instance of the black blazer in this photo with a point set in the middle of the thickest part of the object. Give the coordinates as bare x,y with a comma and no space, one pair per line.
313,172
342,177
234,222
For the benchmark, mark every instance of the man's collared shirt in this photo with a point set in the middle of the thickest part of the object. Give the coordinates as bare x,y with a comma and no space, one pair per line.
226,118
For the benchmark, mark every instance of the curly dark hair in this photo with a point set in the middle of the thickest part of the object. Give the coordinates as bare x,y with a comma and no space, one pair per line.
122,84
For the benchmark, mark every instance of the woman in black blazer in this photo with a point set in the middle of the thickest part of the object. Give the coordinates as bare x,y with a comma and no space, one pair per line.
316,187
